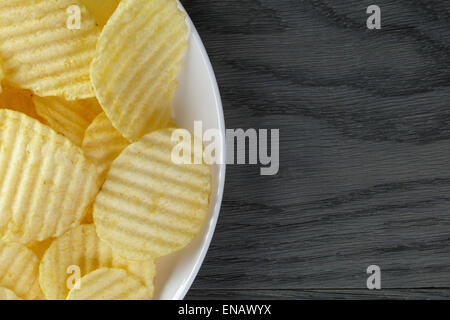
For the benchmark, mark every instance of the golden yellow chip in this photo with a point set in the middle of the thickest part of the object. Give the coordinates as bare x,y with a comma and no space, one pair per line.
46,182
19,100
40,247
103,143
139,56
19,270
109,284
6,294
149,206
70,118
81,248
45,49
101,9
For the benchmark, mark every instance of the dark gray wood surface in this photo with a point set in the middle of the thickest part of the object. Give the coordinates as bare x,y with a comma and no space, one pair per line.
364,119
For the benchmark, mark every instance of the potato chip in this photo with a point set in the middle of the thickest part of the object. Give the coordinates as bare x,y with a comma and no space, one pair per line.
19,100
6,294
109,284
103,143
19,270
81,247
101,9
138,58
70,118
44,50
149,206
40,247
46,183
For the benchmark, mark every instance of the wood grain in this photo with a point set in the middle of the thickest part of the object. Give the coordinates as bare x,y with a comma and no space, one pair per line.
321,294
364,119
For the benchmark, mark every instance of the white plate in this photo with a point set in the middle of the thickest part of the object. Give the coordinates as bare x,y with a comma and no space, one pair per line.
197,98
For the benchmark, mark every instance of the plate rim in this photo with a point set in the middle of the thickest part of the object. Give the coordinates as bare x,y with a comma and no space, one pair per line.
180,295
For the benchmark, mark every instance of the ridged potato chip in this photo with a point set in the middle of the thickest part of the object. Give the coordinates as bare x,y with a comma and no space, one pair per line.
81,247
139,55
101,9
103,143
46,182
44,51
149,206
70,118
19,270
19,100
6,294
109,284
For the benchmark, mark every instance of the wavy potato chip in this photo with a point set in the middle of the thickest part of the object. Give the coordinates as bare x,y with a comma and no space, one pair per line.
109,284
139,55
70,118
41,53
149,206
81,247
101,9
19,100
46,182
6,294
103,143
19,270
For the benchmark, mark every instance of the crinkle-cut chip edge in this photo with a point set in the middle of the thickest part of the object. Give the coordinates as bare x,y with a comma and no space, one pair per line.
18,262
154,235
82,245
15,232
69,118
61,69
134,125
122,286
102,143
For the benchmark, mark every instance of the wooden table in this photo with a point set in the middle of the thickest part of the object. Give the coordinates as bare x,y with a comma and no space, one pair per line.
364,119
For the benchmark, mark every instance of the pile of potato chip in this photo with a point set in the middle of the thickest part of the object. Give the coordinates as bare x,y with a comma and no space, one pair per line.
89,194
